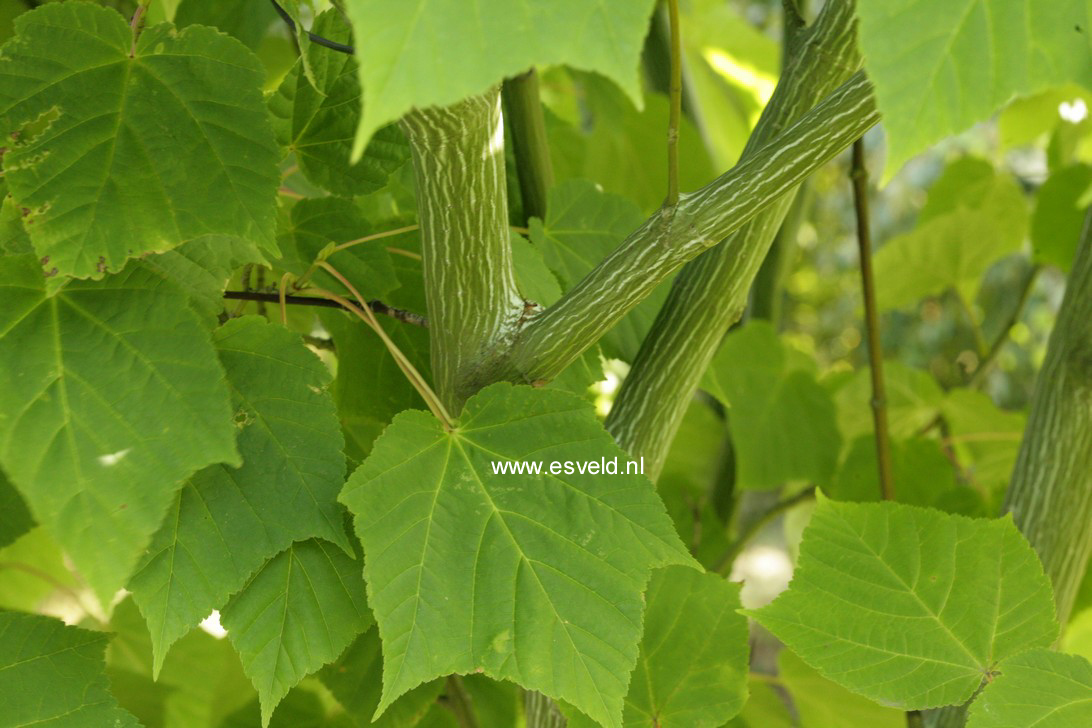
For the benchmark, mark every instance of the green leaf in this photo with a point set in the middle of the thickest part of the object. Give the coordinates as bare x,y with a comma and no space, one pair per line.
117,155
356,680
226,521
985,438
765,707
692,669
110,396
821,703
972,217
22,586
243,19
1039,688
200,683
536,282
622,148
15,519
1058,218
370,389
940,66
922,473
53,674
317,125
203,268
583,225
314,224
536,579
783,421
913,401
436,53
911,607
296,614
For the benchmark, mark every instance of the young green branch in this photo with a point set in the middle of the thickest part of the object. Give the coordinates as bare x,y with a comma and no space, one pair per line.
551,339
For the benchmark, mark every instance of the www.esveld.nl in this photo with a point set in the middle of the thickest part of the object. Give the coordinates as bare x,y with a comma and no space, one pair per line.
602,466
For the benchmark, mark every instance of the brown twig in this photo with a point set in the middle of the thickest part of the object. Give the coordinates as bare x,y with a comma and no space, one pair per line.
402,315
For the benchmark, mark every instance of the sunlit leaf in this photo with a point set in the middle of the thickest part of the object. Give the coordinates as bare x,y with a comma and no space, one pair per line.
973,216
1039,688
940,66
531,578
821,703
911,607
436,53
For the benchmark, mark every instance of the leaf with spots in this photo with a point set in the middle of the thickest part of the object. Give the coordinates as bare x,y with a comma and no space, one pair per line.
911,607
110,396
537,579
126,147
226,521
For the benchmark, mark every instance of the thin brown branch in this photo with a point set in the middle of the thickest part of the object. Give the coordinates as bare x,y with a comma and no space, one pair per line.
402,315
859,176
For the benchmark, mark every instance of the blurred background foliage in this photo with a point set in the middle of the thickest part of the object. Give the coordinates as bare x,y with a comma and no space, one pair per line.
973,240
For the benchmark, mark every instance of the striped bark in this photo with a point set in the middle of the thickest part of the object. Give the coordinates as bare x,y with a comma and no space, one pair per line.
470,288
711,293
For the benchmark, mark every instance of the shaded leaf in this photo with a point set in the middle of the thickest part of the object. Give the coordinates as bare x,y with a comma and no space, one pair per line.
356,680
972,217
921,472
821,703
40,656
1039,688
110,396
313,225
913,401
692,669
436,53
201,681
317,123
244,19
1058,218
226,521
370,389
622,148
783,421
15,519
117,155
531,578
297,613
583,225
911,607
940,66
